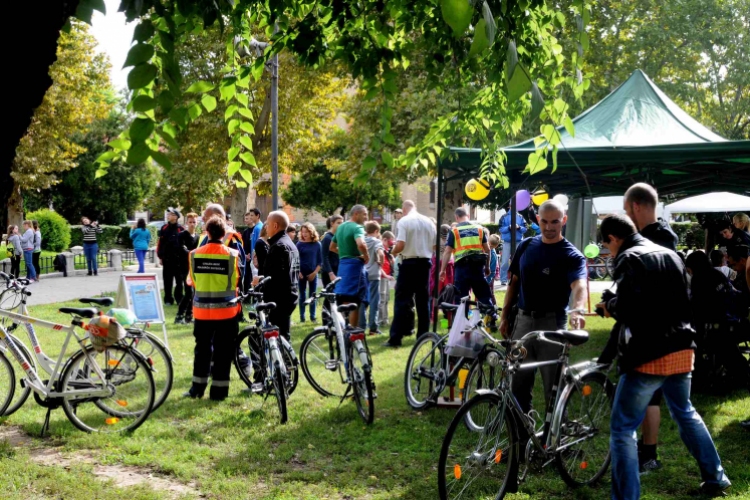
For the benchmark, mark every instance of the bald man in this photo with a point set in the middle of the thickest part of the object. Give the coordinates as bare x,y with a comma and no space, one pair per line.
232,239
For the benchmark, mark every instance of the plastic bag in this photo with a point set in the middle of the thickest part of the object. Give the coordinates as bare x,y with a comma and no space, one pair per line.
125,317
464,340
104,331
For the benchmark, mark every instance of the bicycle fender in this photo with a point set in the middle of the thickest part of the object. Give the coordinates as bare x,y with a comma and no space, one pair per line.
320,329
482,392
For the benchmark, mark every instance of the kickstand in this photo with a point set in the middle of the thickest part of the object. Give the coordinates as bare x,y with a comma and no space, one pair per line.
45,426
349,388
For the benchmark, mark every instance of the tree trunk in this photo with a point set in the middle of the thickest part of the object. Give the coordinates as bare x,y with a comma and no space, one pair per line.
453,197
15,205
238,204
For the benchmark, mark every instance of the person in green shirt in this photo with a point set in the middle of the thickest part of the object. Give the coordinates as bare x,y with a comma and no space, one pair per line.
349,243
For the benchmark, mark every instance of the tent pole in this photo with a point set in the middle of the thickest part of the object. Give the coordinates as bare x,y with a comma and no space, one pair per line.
436,271
513,216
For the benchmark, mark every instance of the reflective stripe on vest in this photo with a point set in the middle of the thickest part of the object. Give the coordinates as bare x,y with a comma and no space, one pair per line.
214,273
228,238
468,241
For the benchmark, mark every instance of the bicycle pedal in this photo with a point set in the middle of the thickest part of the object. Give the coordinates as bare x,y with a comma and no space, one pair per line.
331,364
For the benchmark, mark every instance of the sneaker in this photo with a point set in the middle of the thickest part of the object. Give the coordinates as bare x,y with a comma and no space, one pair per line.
714,490
89,273
375,332
188,320
391,344
190,394
248,371
649,466
179,320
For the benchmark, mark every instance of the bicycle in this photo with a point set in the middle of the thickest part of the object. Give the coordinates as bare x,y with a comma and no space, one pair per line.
327,366
429,365
157,355
493,459
272,352
114,395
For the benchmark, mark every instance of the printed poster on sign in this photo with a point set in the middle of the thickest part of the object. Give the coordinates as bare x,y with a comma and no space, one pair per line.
141,294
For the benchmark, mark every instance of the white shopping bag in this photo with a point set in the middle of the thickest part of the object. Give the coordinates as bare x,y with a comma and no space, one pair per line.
464,340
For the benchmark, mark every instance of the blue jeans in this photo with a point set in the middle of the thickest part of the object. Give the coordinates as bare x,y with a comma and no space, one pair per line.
374,291
505,261
304,284
141,256
634,391
28,256
91,250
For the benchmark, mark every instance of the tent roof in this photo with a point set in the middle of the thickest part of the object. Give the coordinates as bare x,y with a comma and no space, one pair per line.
711,202
635,133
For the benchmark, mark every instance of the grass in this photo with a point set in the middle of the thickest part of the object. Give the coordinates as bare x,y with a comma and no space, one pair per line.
237,449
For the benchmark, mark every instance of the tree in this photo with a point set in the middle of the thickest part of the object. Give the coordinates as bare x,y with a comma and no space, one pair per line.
109,199
78,96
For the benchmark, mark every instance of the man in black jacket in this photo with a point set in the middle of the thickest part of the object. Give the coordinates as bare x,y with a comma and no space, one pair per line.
188,242
655,352
169,251
282,265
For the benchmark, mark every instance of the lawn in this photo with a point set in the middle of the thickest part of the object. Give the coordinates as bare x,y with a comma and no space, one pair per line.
237,449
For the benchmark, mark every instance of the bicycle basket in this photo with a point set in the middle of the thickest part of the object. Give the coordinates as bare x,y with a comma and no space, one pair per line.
104,331
464,340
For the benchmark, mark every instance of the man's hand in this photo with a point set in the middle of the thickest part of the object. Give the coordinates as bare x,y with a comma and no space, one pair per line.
577,321
442,275
504,327
331,276
248,257
256,280
603,305
311,277
365,258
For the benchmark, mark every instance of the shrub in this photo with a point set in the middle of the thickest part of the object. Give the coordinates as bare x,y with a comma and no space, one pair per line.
106,239
123,238
54,229
689,234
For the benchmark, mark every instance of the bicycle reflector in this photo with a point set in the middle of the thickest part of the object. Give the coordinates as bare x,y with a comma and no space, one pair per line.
356,336
122,402
111,420
498,456
271,334
584,465
586,390
457,471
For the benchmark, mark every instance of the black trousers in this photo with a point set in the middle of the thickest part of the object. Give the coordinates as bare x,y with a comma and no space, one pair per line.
282,319
172,275
15,265
35,260
214,342
412,288
186,304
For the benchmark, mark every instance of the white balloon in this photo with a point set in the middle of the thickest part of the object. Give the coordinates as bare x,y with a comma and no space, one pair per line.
561,199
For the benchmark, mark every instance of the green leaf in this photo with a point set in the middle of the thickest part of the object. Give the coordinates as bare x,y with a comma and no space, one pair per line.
511,60
554,159
100,172
209,102
144,31
490,25
569,126
141,129
240,184
230,111
166,100
246,113
242,99
167,138
369,163
537,101
141,75
537,163
247,175
457,13
138,54
389,139
143,103
258,66
179,116
227,88
195,111
232,126
161,159
585,41
138,153
247,127
233,168
232,153
248,158
200,87
123,144
387,159
246,141
480,42
519,84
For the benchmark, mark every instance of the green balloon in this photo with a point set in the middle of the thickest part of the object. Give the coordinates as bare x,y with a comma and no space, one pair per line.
591,251
125,317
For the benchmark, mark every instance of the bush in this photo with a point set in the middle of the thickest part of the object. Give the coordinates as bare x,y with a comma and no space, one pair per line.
107,239
689,234
123,238
54,229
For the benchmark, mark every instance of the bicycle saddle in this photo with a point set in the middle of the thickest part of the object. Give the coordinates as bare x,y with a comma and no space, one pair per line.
102,301
82,312
345,308
265,306
575,337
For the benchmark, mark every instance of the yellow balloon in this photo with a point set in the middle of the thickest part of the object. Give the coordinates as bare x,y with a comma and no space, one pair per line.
477,189
539,198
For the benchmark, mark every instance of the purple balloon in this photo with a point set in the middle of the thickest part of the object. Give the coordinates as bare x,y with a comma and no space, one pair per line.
523,198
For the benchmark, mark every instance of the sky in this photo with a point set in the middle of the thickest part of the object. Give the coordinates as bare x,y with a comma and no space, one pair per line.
114,36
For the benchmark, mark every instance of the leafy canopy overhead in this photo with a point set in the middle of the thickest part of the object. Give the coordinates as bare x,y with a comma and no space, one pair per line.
506,55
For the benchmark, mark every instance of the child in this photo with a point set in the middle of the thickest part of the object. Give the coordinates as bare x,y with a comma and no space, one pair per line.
494,243
386,273
373,269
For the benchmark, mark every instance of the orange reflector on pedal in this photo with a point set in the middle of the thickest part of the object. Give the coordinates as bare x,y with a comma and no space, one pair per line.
121,402
111,421
457,471
498,456
113,362
584,465
586,390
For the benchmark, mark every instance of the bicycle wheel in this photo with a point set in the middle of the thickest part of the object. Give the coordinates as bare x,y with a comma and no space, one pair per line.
481,375
363,388
291,363
21,393
279,389
321,363
160,360
7,383
127,377
244,338
426,358
478,464
600,271
587,411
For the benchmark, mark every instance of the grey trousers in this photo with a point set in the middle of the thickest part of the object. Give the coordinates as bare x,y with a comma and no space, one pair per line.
538,350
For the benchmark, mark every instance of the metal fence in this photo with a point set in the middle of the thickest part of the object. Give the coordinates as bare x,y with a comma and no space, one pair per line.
103,259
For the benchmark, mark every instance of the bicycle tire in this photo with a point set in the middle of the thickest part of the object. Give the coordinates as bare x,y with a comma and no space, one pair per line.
435,365
600,399
105,413
481,376
244,335
318,348
491,452
160,359
20,394
600,272
363,388
7,383
279,389
292,367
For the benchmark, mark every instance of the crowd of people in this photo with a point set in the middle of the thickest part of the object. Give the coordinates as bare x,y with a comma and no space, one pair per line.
25,245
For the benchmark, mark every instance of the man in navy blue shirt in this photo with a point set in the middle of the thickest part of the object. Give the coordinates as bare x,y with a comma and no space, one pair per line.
544,271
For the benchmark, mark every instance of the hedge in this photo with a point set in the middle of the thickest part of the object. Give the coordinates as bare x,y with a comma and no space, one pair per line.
107,239
123,238
54,229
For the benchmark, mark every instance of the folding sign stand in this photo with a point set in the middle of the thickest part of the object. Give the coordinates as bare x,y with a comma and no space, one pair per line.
140,293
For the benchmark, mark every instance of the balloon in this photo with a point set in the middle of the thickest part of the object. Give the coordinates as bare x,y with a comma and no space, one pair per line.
125,317
523,198
591,251
561,199
477,189
539,198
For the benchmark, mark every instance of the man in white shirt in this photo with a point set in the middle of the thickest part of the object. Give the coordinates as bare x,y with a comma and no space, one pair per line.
415,242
